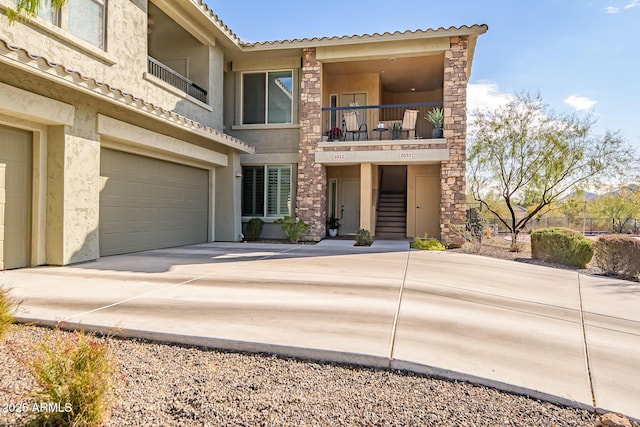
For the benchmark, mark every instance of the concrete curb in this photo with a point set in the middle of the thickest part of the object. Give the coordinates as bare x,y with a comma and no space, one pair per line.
317,355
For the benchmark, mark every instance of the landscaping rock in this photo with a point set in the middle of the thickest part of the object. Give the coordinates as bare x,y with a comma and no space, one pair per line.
614,420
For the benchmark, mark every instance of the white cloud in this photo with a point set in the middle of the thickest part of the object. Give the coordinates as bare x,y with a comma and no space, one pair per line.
632,4
580,103
485,96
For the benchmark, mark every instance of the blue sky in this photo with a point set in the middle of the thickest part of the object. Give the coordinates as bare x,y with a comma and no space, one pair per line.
581,55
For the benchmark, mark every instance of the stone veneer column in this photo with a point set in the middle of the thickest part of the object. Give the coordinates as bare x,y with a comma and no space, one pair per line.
453,171
312,177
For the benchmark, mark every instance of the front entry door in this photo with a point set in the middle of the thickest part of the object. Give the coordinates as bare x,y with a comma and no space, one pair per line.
427,209
349,206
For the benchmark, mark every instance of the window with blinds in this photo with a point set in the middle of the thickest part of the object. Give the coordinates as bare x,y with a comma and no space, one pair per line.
266,190
253,191
278,190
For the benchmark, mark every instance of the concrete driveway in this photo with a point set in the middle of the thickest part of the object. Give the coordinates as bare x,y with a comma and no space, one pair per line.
548,333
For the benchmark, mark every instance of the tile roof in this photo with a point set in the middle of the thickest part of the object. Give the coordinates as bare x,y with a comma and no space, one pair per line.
462,30
474,29
69,75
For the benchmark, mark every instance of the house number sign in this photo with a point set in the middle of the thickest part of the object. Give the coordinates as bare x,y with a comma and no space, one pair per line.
406,155
339,156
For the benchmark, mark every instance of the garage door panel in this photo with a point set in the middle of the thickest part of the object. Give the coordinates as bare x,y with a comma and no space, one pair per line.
149,203
15,215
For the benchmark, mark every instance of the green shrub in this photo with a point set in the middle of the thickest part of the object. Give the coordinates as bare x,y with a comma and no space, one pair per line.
77,372
8,308
254,229
427,244
618,256
363,237
292,228
562,246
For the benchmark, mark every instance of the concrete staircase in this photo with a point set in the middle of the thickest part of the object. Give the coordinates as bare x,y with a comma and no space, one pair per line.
391,220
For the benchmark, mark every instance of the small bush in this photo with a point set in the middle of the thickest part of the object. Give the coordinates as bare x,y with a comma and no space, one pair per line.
254,229
561,246
618,256
363,237
77,373
427,244
8,308
293,229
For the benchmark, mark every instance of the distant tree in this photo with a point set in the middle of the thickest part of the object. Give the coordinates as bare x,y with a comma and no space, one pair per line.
26,9
619,208
574,206
527,155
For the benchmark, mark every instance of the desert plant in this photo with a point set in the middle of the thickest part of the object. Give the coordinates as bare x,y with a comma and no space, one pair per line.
618,256
254,229
293,228
427,244
363,237
561,245
436,117
77,372
8,308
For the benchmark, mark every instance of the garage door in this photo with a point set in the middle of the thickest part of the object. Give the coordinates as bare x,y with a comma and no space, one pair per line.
147,203
15,197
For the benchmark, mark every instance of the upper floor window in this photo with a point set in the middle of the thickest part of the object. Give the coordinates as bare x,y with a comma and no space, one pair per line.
82,18
267,97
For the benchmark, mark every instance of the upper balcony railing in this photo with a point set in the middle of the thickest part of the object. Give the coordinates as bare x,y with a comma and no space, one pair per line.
176,80
377,122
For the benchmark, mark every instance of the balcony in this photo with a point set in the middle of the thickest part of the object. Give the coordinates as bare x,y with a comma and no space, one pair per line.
376,123
171,77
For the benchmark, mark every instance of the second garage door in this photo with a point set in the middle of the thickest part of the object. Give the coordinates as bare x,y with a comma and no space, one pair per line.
147,203
15,197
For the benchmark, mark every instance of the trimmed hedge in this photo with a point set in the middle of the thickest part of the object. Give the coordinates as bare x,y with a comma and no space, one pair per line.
562,246
618,256
254,229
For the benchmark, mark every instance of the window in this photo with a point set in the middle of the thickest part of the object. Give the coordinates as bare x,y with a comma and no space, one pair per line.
86,20
82,18
266,190
267,97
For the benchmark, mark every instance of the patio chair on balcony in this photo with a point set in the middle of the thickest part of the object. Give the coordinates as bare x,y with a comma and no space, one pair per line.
353,127
409,123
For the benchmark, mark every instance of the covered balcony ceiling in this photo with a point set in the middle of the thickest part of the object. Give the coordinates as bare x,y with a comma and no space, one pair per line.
420,74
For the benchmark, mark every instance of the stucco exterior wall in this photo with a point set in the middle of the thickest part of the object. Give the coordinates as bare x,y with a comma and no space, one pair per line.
68,135
122,64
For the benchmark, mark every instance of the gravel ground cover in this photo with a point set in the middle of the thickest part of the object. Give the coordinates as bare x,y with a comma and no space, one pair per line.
168,385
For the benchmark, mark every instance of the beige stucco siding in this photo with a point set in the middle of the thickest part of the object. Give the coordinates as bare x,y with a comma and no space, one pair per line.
123,63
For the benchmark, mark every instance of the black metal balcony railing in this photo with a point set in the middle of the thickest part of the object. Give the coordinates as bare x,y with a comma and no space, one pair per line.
176,80
377,122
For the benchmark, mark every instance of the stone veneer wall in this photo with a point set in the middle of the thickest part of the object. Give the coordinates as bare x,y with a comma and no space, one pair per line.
453,171
312,177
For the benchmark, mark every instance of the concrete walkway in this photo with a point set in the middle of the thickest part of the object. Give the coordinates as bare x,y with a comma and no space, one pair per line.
548,333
